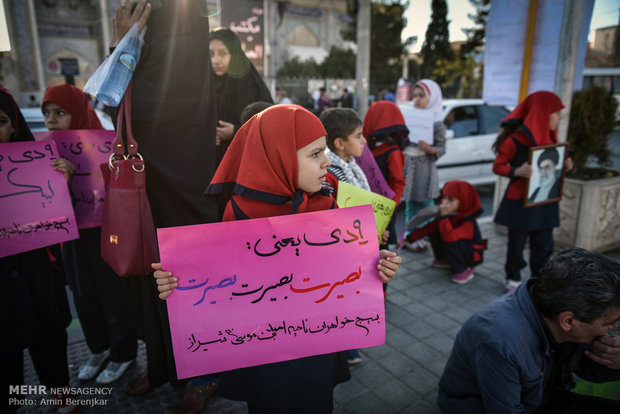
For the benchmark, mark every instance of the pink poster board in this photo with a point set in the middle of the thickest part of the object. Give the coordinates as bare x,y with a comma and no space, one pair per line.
376,180
253,292
86,149
34,198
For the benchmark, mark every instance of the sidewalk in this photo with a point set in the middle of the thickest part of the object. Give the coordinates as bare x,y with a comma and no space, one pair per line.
424,311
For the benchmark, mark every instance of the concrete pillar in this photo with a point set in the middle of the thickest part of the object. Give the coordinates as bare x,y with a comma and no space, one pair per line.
362,62
570,32
36,48
106,25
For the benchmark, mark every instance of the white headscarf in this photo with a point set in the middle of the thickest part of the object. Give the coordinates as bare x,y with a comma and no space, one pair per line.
433,91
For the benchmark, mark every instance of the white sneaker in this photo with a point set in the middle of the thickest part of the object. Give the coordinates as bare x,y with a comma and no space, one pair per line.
113,371
512,284
93,366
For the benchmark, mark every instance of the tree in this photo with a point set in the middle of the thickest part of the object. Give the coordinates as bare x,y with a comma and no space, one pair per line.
294,68
436,45
340,63
477,34
592,120
459,77
386,25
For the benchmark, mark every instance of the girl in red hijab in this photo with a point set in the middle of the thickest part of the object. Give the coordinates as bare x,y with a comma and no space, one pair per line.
276,165
532,123
456,239
97,290
33,304
67,107
385,130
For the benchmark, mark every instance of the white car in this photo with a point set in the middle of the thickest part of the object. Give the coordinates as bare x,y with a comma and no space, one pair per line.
35,121
471,129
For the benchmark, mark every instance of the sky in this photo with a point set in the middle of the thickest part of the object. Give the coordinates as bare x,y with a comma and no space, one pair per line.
419,15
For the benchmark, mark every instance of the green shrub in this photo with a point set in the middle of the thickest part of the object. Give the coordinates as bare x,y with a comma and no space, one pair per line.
592,120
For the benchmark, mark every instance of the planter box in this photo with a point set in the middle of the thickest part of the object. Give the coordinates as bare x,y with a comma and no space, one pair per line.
590,214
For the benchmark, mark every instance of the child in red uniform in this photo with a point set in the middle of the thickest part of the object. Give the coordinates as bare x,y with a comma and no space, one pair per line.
97,290
456,239
386,132
275,166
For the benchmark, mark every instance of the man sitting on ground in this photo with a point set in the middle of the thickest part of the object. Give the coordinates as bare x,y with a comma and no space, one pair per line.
518,354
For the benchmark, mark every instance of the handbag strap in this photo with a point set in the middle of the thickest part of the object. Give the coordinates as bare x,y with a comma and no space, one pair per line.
124,117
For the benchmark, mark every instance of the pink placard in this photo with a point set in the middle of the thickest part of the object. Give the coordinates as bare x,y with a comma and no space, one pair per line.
34,198
376,180
259,291
86,149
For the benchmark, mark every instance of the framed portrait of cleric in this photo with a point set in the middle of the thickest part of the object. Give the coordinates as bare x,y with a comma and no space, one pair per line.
547,179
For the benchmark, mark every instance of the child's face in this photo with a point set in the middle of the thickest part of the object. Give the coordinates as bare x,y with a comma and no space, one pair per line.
450,204
6,128
312,166
55,117
554,120
420,100
353,145
220,57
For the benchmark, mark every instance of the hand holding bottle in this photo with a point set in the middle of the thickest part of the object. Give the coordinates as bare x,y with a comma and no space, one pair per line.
127,15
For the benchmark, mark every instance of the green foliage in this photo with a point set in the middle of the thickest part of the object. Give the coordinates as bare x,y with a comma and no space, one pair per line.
458,74
340,63
414,69
592,119
436,45
476,35
386,48
387,24
294,68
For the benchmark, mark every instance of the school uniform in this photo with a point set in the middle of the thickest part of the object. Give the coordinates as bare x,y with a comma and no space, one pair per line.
533,223
384,118
260,170
457,238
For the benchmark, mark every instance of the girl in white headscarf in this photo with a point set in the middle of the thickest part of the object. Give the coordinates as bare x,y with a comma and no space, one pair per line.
422,182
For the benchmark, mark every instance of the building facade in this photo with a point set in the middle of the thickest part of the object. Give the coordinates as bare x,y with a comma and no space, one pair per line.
59,41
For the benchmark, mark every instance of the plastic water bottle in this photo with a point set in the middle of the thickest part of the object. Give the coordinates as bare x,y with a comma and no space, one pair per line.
113,87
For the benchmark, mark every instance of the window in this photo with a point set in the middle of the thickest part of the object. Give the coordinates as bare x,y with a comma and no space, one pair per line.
463,121
491,117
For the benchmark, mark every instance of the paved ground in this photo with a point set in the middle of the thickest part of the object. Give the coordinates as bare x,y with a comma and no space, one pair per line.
424,311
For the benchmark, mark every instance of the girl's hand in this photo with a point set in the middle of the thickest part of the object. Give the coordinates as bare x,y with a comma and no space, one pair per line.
388,265
385,237
424,146
223,132
525,171
166,283
64,166
568,164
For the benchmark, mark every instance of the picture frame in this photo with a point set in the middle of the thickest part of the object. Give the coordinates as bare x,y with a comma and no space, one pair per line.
545,184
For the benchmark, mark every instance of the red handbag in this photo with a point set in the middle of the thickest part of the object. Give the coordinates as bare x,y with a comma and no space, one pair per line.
128,236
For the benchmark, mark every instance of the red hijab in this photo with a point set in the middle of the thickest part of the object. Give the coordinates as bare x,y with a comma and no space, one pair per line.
260,165
533,116
75,102
384,118
469,201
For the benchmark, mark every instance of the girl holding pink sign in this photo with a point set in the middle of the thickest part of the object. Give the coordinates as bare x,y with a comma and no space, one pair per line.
33,301
97,291
276,166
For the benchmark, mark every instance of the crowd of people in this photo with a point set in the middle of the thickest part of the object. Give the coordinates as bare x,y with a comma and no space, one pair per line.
219,148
